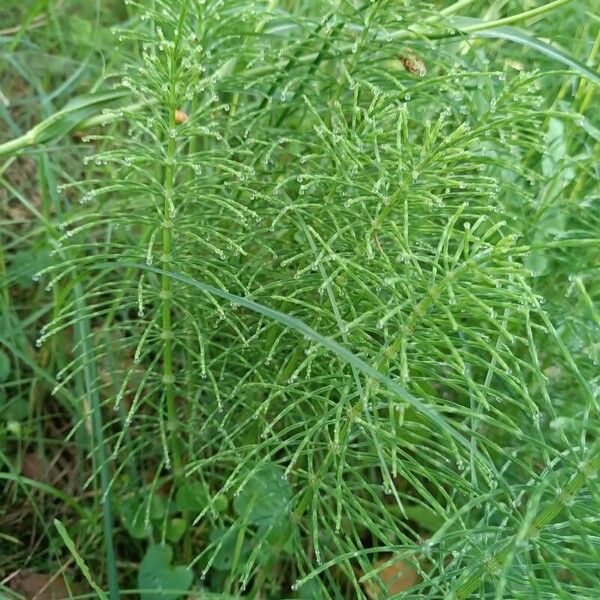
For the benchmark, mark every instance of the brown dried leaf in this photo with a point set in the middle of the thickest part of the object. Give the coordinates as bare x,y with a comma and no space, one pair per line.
397,577
39,586
32,466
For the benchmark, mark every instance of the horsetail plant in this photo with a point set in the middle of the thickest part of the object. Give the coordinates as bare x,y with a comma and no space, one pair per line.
313,251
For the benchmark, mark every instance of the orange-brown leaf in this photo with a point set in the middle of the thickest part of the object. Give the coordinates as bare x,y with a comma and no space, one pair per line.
397,577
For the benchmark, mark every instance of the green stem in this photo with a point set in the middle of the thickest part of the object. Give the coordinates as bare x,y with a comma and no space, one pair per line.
18,143
450,10
239,544
168,180
528,14
586,91
167,328
168,215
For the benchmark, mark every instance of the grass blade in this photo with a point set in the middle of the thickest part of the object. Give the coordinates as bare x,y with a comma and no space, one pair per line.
78,559
333,346
64,121
470,26
82,332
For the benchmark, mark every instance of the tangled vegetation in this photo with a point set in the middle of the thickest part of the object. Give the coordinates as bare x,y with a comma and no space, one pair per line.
300,299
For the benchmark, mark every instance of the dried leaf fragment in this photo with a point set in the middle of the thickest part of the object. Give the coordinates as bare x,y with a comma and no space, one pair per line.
40,586
32,466
397,577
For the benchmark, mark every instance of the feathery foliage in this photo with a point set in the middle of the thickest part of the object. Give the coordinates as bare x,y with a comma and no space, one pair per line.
318,268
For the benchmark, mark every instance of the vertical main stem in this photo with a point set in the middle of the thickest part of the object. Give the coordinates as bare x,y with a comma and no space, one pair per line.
167,329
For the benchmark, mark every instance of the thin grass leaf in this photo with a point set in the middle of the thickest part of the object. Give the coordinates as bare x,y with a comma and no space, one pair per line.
328,343
64,121
85,571
469,26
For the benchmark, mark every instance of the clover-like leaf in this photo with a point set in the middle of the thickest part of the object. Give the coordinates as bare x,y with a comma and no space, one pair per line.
158,579
158,507
15,410
265,498
227,537
191,496
133,516
175,529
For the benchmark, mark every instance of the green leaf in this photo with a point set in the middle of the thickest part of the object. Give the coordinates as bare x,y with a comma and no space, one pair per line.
513,34
31,261
133,516
221,503
311,590
551,226
277,533
191,496
175,529
228,538
537,262
158,580
265,497
425,517
4,366
158,507
75,111
556,146
15,410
